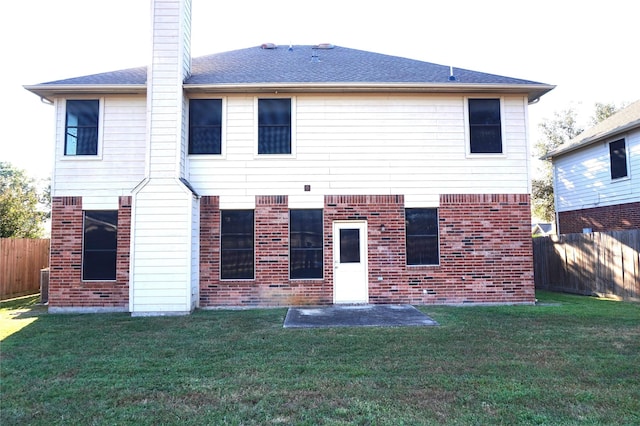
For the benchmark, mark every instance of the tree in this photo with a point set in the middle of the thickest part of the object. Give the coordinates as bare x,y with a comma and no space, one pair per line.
20,213
562,128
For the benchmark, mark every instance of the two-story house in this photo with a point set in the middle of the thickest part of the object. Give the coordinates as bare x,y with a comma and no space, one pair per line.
596,176
287,175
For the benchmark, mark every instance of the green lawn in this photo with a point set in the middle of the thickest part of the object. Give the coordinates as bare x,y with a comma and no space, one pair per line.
573,360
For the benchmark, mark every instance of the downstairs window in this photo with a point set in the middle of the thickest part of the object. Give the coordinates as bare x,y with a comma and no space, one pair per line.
99,245
422,236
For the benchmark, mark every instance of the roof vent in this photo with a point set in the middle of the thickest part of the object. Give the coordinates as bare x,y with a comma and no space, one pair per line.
268,46
324,46
451,76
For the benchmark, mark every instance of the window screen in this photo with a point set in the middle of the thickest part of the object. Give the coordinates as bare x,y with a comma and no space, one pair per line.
205,126
81,127
100,245
274,126
236,244
305,244
485,132
422,236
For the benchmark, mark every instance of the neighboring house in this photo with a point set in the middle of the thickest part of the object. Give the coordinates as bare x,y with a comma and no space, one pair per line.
596,176
287,175
540,229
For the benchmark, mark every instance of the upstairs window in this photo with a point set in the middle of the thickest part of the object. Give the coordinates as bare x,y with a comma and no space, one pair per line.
236,245
305,244
274,126
99,245
485,128
422,236
618,159
81,127
205,126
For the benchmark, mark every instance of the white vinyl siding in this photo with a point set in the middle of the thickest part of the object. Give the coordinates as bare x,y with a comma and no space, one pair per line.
358,144
120,165
583,177
162,227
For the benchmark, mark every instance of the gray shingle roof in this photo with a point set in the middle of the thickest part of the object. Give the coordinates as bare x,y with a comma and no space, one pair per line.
300,65
306,64
622,121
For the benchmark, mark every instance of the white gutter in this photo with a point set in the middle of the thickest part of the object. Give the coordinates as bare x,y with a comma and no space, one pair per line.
534,91
53,90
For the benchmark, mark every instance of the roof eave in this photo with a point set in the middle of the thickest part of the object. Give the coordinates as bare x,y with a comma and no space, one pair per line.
534,92
592,139
52,91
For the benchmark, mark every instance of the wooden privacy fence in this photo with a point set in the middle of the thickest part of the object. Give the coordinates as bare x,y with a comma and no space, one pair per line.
20,263
600,263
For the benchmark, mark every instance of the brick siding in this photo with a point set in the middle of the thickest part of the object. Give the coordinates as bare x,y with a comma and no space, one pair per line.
608,218
485,253
66,288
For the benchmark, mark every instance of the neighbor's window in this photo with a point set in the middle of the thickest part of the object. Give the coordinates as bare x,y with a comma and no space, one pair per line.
99,245
205,126
274,126
81,127
422,236
236,244
485,129
305,244
618,159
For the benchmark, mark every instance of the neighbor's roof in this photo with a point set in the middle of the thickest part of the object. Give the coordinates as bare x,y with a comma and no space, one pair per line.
622,121
304,68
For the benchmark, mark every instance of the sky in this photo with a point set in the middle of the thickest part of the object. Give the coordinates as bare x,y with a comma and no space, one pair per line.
589,50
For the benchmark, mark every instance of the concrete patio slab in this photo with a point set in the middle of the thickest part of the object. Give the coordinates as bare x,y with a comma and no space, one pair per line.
356,316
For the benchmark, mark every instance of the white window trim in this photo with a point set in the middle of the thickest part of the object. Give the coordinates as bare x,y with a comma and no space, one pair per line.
223,131
626,150
63,131
292,155
467,133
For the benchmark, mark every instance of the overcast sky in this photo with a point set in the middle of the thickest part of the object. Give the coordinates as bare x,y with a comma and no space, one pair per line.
589,50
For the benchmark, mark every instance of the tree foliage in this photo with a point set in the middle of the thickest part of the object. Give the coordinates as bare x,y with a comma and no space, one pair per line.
21,213
560,129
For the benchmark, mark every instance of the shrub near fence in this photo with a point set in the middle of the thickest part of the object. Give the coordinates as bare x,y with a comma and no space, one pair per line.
599,263
20,263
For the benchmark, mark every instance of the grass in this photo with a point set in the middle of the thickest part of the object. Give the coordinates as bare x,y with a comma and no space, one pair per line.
572,360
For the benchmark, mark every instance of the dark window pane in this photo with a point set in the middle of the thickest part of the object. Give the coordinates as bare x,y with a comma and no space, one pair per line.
422,250
305,241
236,264
618,159
99,266
81,127
485,132
422,236
237,244
100,245
349,246
205,126
274,126
306,263
422,221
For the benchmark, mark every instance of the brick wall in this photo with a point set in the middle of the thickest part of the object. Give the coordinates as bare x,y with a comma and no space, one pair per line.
485,253
66,288
599,219
271,286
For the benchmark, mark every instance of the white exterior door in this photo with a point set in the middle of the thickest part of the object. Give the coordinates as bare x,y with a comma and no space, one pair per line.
350,262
